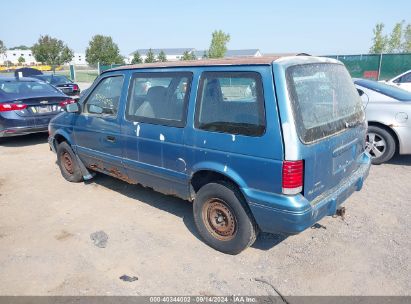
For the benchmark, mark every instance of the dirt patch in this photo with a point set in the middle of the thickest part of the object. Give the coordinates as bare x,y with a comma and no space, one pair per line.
153,237
63,235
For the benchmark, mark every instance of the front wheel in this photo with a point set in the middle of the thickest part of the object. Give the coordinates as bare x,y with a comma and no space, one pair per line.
223,219
68,164
380,145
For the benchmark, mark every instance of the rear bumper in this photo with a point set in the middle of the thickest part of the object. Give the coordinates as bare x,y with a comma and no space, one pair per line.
12,124
16,131
276,213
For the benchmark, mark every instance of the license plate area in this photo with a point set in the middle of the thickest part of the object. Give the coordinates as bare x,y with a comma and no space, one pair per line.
344,159
45,109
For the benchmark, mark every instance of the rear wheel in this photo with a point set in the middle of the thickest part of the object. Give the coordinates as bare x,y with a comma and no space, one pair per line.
222,218
68,164
380,145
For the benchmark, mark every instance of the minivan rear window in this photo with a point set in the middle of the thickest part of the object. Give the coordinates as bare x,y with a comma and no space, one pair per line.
324,99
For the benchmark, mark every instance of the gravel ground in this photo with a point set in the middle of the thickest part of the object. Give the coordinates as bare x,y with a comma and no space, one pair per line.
60,238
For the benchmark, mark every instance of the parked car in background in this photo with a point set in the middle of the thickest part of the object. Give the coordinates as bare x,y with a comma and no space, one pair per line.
402,81
61,82
27,105
388,111
253,151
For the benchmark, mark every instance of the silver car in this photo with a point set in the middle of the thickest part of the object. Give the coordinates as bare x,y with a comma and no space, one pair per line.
388,111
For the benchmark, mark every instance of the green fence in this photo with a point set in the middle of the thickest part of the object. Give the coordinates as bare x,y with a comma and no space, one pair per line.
375,66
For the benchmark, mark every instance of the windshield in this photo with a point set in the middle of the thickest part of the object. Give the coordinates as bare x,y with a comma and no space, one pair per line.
10,90
54,79
324,98
385,89
59,79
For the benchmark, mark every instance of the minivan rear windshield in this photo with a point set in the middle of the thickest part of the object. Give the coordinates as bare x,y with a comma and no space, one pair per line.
324,98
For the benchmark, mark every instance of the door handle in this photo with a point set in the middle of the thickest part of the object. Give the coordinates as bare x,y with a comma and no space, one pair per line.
110,138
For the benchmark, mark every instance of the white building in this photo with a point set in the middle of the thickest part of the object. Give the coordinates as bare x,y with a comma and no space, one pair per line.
14,55
173,54
79,59
177,53
232,53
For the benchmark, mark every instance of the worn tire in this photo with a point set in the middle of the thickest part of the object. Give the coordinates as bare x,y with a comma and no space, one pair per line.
225,198
68,164
383,136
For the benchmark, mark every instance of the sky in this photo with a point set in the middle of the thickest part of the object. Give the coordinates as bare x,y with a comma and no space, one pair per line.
317,27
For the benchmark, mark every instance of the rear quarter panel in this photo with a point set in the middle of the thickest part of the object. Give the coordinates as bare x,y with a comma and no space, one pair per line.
394,115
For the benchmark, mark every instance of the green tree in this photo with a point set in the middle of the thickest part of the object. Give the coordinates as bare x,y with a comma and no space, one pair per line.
406,46
21,60
162,57
379,40
205,55
188,56
394,42
218,46
3,48
51,51
20,47
136,58
150,57
103,50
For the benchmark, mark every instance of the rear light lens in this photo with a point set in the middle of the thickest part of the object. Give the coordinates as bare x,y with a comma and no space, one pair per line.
75,87
5,107
66,102
293,175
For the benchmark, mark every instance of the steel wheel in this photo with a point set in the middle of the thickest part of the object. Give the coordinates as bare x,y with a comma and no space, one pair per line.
375,145
219,219
67,162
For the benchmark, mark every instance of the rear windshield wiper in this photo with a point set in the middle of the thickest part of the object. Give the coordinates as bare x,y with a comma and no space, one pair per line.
352,124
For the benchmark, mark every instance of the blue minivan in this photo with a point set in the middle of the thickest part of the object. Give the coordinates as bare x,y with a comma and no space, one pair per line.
258,144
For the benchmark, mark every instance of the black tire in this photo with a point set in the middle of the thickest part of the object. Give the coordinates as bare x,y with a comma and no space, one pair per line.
68,164
222,205
380,145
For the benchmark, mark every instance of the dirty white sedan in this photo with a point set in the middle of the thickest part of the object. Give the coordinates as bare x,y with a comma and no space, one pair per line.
388,111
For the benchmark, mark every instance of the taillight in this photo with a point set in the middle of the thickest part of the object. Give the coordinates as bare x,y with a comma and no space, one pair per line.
66,102
75,87
5,107
293,175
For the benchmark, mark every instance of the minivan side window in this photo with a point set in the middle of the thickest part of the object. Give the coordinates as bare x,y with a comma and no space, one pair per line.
159,98
105,97
231,102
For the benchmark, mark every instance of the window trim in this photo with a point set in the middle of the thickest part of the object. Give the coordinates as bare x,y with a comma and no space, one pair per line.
199,98
160,121
84,103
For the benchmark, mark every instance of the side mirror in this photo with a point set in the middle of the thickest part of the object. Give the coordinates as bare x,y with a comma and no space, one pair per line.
72,108
95,109
360,92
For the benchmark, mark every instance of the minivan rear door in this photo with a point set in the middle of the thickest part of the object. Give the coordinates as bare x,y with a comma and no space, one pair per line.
329,122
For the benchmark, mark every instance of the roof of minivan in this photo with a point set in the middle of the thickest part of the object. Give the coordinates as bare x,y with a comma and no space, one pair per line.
264,60
208,62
